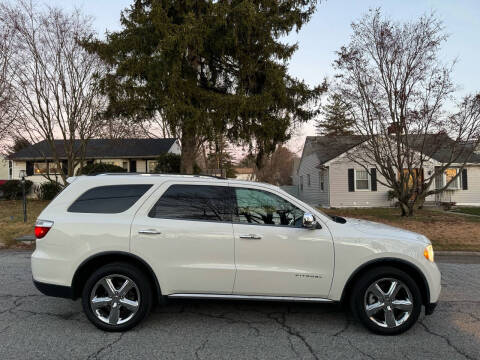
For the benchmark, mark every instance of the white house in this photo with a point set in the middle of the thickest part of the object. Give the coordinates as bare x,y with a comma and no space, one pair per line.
4,173
245,173
134,155
326,176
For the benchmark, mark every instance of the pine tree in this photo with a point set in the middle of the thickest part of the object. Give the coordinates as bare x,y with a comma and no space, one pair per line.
219,157
209,67
336,119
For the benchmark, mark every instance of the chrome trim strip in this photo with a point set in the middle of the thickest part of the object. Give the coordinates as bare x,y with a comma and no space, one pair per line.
249,297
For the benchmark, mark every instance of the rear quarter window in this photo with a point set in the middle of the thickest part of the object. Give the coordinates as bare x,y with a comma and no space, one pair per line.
111,199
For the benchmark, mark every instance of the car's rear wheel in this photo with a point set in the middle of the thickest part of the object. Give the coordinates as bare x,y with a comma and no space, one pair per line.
117,297
386,300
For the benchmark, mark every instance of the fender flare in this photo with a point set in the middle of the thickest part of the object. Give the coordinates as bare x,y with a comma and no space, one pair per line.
113,254
388,261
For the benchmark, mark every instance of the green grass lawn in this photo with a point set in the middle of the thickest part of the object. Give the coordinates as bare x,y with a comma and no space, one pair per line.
468,210
11,219
446,230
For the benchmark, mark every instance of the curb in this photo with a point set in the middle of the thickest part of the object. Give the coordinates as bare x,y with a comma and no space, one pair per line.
457,253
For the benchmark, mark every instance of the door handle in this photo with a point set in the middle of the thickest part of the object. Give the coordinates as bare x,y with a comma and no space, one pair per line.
149,232
251,237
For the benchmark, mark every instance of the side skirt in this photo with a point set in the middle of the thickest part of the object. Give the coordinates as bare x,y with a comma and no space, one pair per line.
249,297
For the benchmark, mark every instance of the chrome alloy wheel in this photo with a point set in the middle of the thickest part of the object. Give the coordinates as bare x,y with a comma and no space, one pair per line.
388,302
115,299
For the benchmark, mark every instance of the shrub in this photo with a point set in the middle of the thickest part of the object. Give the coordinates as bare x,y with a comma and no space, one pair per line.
12,189
447,205
197,170
48,190
168,164
99,168
391,195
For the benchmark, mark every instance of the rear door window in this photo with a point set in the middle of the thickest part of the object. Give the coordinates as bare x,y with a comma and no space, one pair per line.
194,202
111,199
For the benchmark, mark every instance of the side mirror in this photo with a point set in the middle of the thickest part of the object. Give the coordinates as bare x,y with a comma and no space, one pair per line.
309,221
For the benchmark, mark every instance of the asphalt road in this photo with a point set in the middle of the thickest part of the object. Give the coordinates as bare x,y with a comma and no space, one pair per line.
33,326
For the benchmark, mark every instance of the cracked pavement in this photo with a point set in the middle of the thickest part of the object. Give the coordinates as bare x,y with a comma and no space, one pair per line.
36,326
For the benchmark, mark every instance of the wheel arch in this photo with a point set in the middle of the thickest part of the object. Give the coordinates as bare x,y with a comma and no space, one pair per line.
410,268
95,261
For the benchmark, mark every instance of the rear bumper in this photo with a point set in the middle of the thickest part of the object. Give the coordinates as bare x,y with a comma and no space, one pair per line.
54,290
430,308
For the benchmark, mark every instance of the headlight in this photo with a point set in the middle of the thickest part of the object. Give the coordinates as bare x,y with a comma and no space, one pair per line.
428,253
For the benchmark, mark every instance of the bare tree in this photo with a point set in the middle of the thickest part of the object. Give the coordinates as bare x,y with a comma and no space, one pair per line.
54,80
397,88
276,169
6,115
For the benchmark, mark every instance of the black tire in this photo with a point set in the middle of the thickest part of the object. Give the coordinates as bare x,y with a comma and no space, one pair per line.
359,299
142,286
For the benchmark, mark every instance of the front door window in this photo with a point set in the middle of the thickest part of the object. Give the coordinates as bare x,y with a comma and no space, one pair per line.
263,208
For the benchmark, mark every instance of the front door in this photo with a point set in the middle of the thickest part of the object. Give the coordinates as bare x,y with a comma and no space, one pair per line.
185,232
274,254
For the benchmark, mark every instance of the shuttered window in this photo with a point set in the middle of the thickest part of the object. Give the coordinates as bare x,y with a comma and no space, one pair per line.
450,176
439,181
361,180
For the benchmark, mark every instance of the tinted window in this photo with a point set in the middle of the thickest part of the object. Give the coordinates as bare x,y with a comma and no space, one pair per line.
109,199
194,202
264,208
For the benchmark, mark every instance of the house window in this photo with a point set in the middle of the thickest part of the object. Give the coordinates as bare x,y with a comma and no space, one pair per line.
361,180
152,164
449,175
40,168
120,163
321,180
53,168
10,170
301,183
308,180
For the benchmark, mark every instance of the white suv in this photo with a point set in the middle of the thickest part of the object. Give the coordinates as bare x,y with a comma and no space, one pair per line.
123,242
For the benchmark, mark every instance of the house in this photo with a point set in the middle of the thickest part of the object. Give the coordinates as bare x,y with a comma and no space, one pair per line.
134,155
4,169
327,176
245,173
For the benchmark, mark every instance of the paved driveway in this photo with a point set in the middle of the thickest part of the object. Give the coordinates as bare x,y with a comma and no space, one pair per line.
33,326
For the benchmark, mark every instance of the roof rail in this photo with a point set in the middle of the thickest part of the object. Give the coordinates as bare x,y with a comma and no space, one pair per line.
162,174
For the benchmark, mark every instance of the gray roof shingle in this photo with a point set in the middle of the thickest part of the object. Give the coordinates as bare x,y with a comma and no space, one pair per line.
99,148
329,147
438,147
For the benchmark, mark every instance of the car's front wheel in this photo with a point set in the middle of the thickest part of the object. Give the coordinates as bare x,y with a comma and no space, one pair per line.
386,300
117,297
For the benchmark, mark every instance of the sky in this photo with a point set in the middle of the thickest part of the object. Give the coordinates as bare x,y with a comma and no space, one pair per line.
329,29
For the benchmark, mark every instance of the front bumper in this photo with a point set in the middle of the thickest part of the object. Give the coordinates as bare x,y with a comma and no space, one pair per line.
430,308
54,290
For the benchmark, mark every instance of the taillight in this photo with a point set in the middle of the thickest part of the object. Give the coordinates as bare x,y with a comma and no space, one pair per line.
42,227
